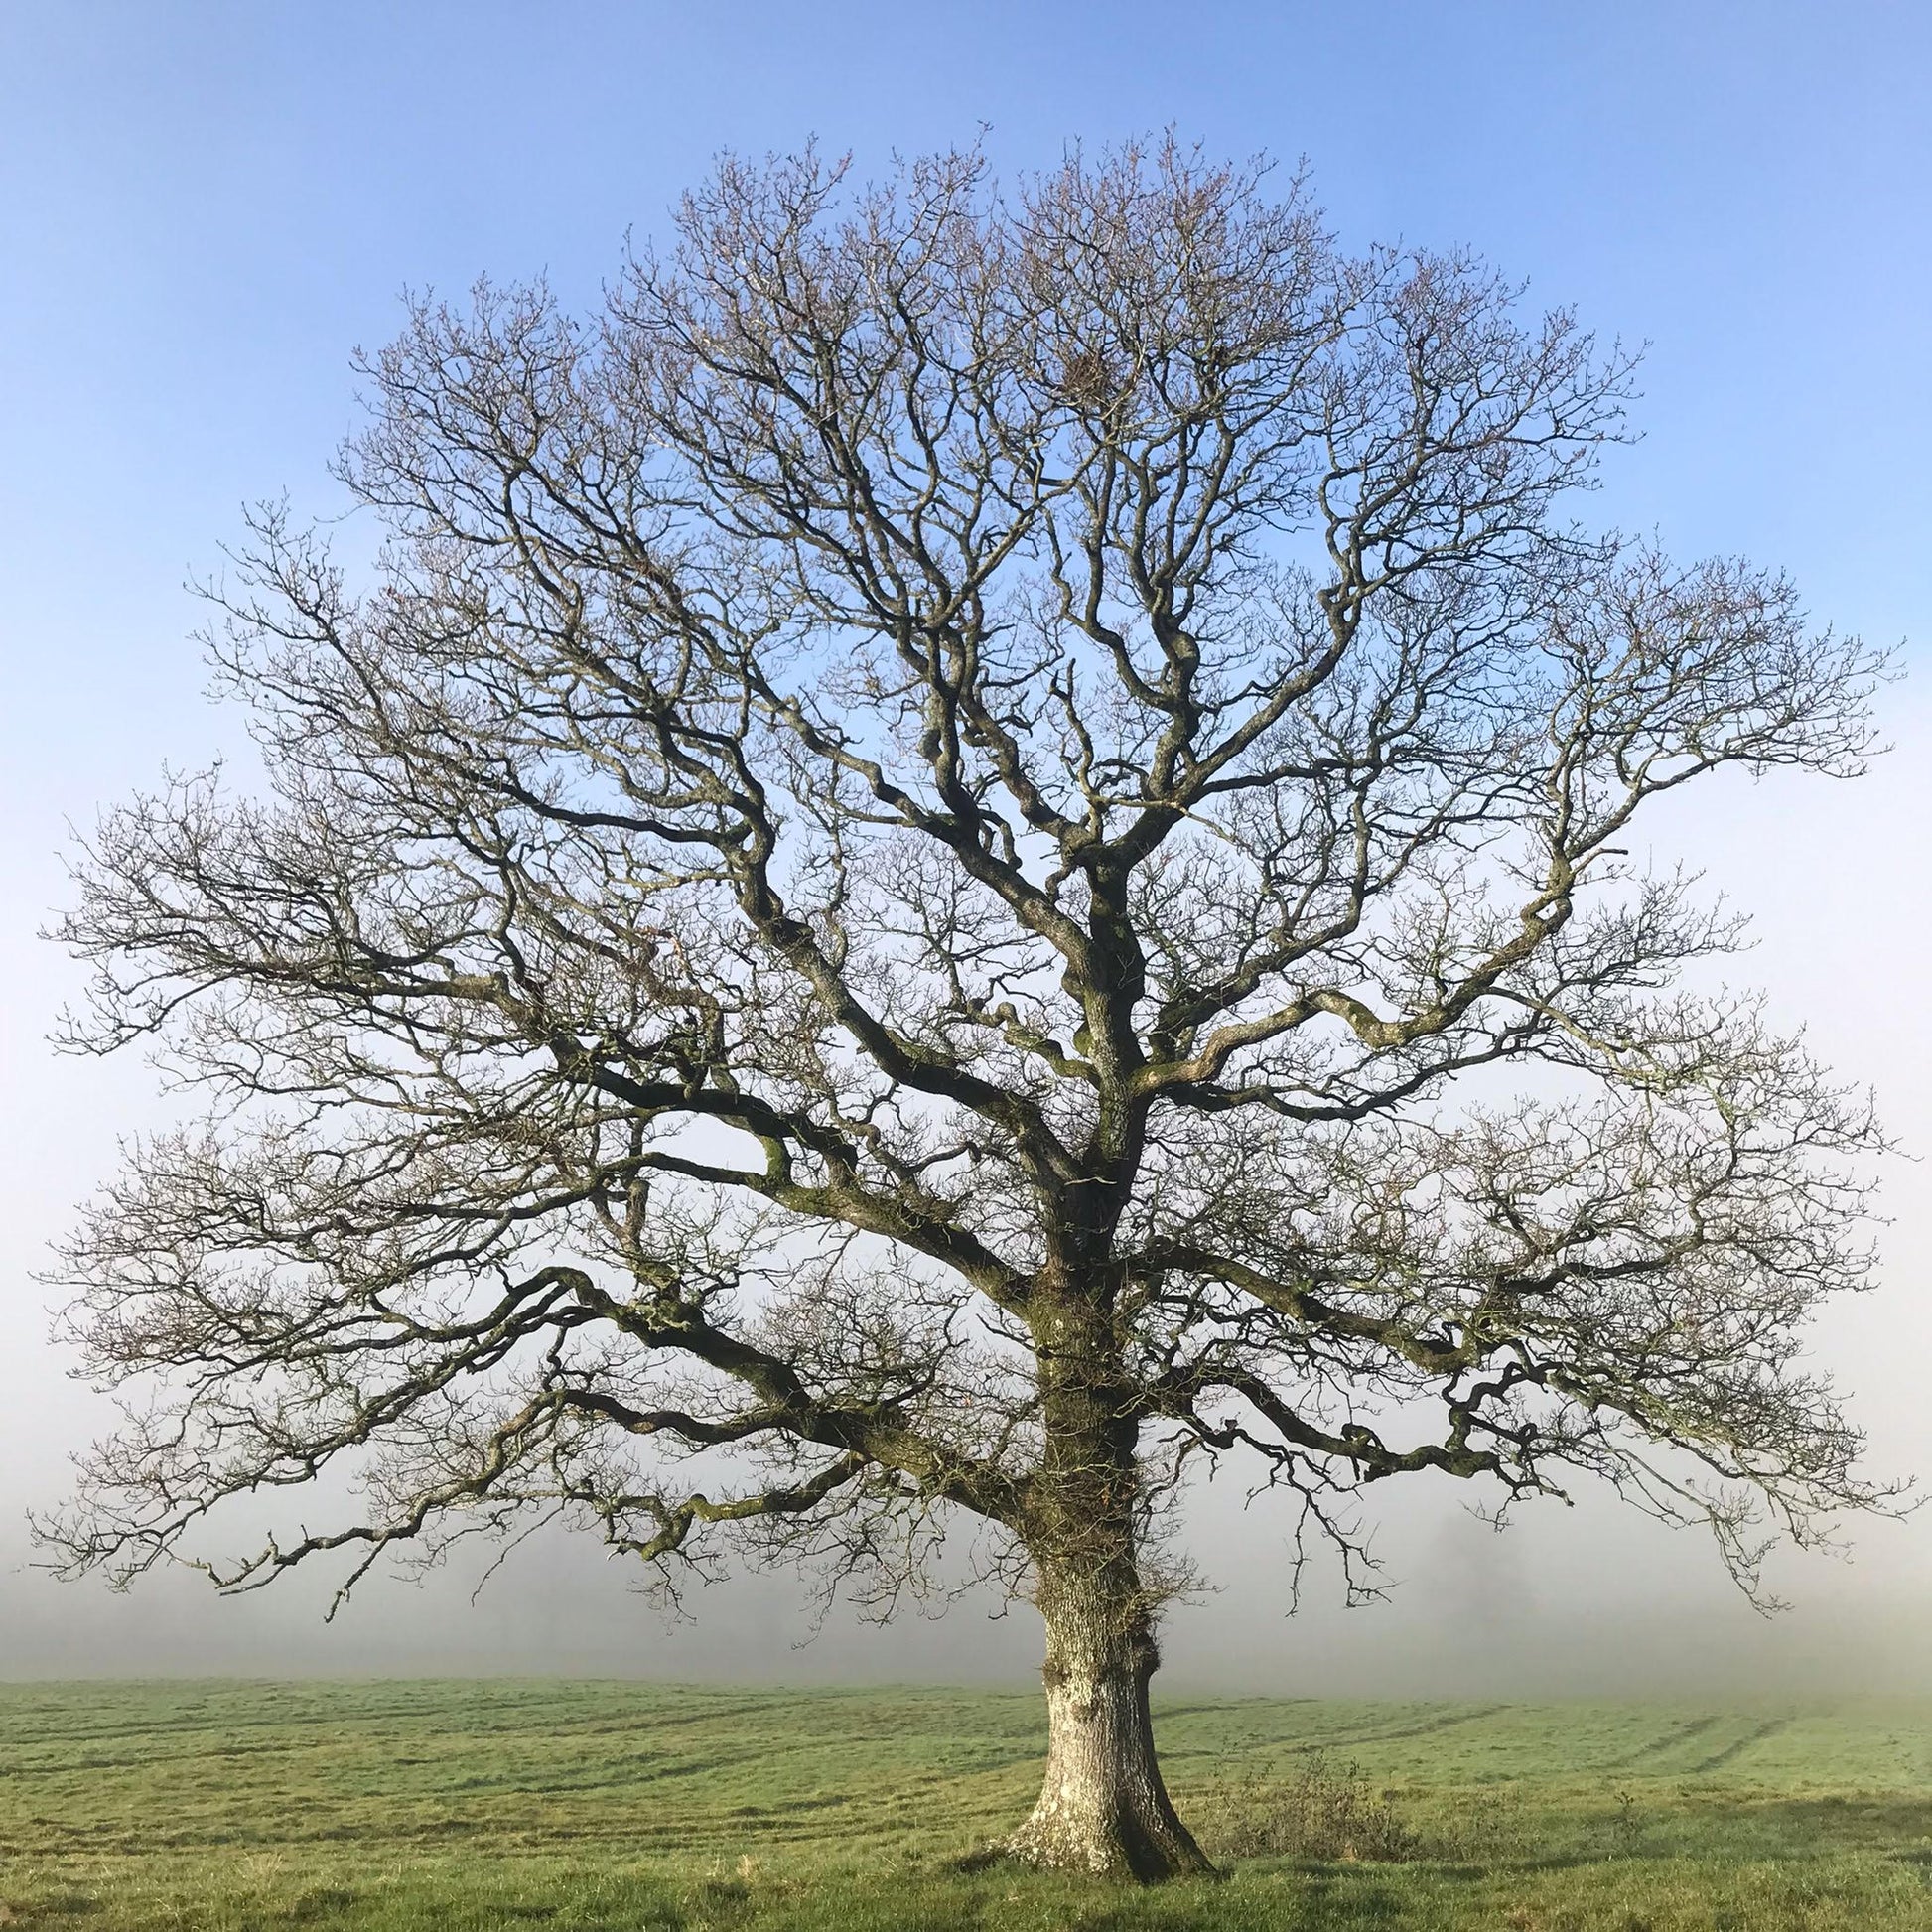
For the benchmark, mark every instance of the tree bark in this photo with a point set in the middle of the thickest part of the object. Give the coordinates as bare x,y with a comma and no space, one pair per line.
1103,1807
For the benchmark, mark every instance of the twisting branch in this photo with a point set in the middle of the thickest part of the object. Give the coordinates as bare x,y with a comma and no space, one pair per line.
876,913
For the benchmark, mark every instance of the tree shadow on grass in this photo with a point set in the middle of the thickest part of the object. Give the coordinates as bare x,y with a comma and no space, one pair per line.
1849,1824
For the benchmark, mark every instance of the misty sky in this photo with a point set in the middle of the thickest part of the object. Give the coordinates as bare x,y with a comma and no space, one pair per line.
204,206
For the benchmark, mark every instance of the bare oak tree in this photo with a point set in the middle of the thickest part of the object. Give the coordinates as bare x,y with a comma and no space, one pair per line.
920,888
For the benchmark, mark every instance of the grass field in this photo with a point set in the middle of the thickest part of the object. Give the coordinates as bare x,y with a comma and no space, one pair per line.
570,1804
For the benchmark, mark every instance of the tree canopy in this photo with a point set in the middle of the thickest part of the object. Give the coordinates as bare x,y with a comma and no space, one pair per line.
979,844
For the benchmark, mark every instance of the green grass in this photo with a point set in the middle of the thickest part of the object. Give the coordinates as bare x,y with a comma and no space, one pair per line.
378,1807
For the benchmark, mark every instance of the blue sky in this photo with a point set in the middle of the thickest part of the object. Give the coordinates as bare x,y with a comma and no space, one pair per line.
204,206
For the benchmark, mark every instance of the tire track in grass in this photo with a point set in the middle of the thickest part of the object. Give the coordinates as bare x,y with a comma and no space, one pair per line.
1684,1733
1427,1727
1719,1759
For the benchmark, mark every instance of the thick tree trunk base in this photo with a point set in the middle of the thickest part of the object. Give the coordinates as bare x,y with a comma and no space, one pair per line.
1104,1809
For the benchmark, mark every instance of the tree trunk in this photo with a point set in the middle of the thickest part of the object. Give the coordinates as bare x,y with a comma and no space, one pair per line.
1103,1807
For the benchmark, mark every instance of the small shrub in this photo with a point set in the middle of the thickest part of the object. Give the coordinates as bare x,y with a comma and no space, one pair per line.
1484,1829
1326,1813
1627,1827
